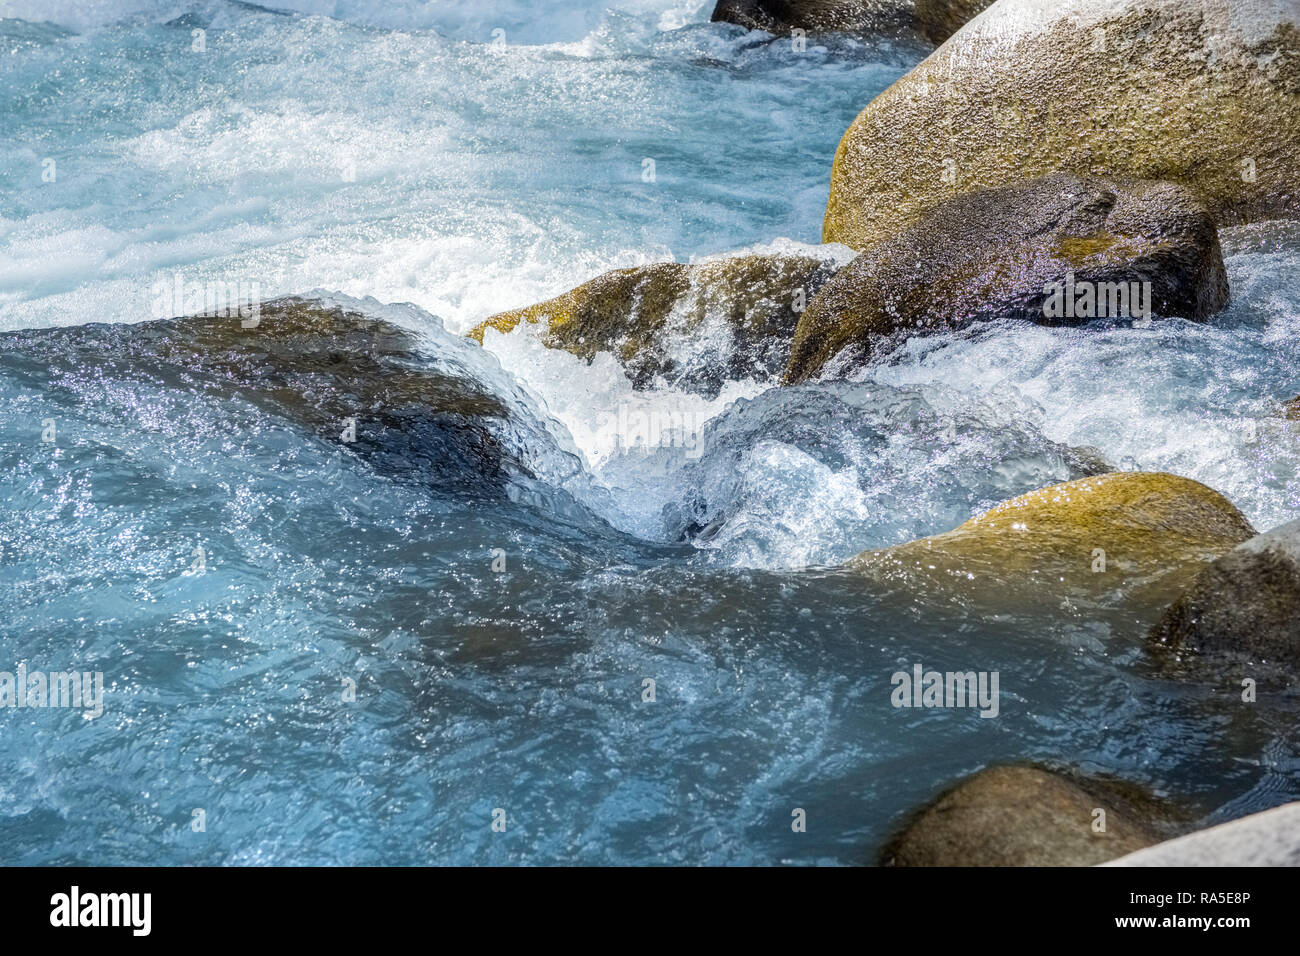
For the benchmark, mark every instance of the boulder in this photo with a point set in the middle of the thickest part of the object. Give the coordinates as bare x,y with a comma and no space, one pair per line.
1200,94
1062,249
817,16
313,365
696,326
936,20
1122,529
1026,816
1246,604
1268,838
940,19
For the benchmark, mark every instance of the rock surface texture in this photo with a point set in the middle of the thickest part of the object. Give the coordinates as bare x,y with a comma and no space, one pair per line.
1059,250
1206,95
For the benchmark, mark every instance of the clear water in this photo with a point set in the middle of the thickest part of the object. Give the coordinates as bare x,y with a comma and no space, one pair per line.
389,150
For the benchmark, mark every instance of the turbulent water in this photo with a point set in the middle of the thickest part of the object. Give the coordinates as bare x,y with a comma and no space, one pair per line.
235,571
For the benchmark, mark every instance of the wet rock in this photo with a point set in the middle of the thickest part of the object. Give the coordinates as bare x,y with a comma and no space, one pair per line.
936,20
695,326
1059,250
1120,529
317,366
1269,838
1026,816
1203,95
1245,605
940,19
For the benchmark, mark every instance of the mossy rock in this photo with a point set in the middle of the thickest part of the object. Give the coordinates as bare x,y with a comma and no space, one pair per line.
1114,248
1125,530
1028,816
696,326
1243,606
314,366
936,20
1204,95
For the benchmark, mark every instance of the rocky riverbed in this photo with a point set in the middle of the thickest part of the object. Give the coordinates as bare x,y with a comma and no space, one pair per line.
715,493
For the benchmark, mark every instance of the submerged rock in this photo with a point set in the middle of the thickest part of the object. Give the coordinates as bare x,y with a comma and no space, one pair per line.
1269,838
936,20
1199,94
1246,604
1058,250
697,326
1120,529
358,381
808,470
1026,816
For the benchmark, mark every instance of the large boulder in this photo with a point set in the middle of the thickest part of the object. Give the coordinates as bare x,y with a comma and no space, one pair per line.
695,326
1268,838
1026,816
1246,604
351,379
936,20
1058,250
1123,529
1201,94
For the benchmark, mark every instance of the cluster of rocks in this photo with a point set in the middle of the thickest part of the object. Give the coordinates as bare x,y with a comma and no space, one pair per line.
1053,161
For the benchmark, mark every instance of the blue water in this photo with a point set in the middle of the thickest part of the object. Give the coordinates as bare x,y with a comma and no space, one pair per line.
383,153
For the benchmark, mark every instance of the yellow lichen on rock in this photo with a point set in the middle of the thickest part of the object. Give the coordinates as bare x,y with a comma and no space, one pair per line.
1134,525
636,314
1204,95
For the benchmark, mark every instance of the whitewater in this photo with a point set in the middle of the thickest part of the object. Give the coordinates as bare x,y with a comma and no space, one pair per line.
236,578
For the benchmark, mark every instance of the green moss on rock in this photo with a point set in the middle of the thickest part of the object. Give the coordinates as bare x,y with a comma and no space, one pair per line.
1148,528
751,304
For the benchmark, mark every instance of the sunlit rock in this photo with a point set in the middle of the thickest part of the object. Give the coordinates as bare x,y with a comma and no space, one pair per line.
1269,838
1200,94
1121,531
694,326
1058,250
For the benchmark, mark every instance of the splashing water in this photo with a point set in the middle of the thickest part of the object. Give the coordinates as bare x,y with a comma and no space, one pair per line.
498,645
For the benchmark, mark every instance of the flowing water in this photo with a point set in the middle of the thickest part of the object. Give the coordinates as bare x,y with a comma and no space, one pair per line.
235,572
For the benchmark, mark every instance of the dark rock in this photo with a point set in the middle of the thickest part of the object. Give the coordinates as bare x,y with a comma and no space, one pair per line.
994,253
314,366
1245,605
936,20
